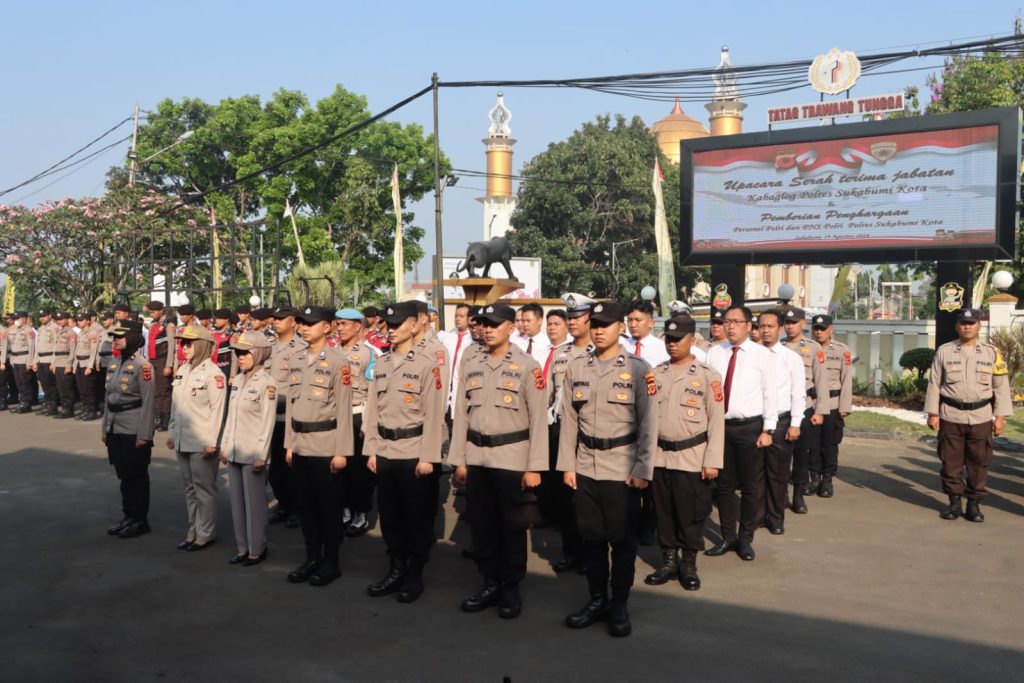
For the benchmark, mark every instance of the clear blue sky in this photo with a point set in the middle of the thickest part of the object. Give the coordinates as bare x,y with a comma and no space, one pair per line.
73,69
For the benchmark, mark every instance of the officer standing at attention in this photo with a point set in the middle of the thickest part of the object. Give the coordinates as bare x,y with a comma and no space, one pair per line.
127,428
606,451
42,360
837,360
403,423
968,400
318,438
86,365
161,348
63,357
816,406
499,447
691,435
106,358
20,355
282,358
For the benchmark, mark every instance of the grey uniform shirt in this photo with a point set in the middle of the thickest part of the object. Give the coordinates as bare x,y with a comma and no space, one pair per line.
609,400
501,396
319,390
250,419
197,406
128,408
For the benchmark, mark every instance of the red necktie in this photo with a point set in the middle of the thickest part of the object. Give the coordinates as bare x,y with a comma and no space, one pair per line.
547,363
728,376
529,347
636,352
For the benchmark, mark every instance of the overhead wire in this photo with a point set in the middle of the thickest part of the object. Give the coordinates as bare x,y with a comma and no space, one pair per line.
80,163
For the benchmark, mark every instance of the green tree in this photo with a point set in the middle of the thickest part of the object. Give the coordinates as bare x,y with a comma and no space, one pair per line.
585,194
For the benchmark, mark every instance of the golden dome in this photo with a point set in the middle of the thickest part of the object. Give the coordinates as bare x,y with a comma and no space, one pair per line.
675,127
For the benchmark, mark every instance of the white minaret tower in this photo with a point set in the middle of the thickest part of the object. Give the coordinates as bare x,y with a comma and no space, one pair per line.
500,202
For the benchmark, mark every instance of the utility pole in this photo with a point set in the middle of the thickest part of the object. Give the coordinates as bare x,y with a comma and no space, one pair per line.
438,239
133,155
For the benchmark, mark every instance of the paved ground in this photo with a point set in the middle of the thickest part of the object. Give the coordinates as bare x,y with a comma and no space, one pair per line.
869,584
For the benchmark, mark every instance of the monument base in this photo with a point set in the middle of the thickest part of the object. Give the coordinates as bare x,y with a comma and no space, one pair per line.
480,291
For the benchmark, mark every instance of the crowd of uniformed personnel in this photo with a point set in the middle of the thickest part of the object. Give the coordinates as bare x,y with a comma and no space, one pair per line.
615,438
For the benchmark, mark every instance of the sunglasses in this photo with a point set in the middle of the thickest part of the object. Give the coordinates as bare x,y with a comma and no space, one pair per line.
240,352
186,342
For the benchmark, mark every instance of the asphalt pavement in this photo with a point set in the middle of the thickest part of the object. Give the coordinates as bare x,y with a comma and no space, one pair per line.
869,584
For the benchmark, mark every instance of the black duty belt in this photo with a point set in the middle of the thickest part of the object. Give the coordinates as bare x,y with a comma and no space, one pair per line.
832,393
495,440
785,416
61,353
666,445
121,407
18,353
399,434
597,444
812,393
964,405
740,421
105,354
309,427
282,404
84,357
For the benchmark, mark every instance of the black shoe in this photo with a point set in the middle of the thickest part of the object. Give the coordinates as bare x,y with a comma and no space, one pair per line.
239,558
484,598
775,528
594,611
391,583
721,549
116,529
327,572
293,522
412,586
973,513
90,416
134,530
811,487
511,604
567,563
669,568
277,516
23,410
469,552
358,526
798,506
618,619
65,415
302,573
688,571
745,550
825,487
253,561
196,547
955,508
184,545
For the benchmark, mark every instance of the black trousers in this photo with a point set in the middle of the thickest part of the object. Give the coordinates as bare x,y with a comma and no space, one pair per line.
831,437
86,387
606,516
806,450
23,378
407,507
100,387
48,381
161,387
499,514
65,387
743,465
321,499
360,482
555,498
777,461
683,503
280,475
132,467
5,392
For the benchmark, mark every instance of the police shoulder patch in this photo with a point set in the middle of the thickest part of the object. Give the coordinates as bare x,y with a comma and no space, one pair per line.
437,378
821,357
538,378
147,372
271,392
220,381
999,367
716,389
847,358
440,358
346,375
652,384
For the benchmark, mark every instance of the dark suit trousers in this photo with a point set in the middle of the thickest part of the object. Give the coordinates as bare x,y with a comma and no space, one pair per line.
806,450
743,465
777,460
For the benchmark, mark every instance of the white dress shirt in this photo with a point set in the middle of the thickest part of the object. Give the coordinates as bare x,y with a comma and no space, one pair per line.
456,350
789,376
652,349
541,346
754,387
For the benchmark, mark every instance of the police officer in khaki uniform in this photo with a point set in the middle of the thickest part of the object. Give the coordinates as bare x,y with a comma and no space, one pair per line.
63,358
808,446
837,361
86,364
127,428
106,357
287,345
968,400
318,438
245,446
691,437
606,450
404,426
20,355
42,360
499,447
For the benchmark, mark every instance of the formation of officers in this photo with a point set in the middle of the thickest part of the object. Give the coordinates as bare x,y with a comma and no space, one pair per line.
616,435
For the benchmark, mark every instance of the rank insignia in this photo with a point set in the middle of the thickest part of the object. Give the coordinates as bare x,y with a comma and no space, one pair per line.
147,373
220,381
716,389
690,412
696,383
652,384
507,398
625,376
408,398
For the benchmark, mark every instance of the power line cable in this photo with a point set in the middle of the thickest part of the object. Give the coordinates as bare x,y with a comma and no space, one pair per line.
84,161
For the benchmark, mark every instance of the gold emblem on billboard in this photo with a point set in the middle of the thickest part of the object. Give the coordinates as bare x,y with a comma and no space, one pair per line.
952,297
883,151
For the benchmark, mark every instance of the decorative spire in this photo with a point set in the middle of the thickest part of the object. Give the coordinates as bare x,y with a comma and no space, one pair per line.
499,117
678,108
725,79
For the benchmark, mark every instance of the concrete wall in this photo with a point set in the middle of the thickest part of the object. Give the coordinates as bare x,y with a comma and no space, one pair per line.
878,345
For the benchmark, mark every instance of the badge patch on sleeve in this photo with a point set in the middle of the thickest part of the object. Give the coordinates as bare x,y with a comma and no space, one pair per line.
437,378
147,373
716,389
847,358
821,357
652,383
999,367
538,378
271,392
220,381
346,375
440,359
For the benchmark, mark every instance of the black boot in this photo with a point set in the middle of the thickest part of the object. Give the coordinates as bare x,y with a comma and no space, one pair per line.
327,571
669,568
973,513
390,583
954,509
825,487
594,611
811,487
688,571
89,416
484,598
511,604
412,585
618,618
65,414
305,570
798,506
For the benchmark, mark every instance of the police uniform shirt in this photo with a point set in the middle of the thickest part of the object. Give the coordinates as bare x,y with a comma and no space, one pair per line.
430,344
753,389
837,361
690,403
46,343
197,406
815,383
105,353
501,396
789,376
87,349
282,357
250,420
65,348
559,364
968,374
359,357
408,392
5,343
319,390
23,346
128,408
606,400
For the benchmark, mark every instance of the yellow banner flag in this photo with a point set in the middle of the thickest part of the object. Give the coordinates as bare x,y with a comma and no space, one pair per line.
9,294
